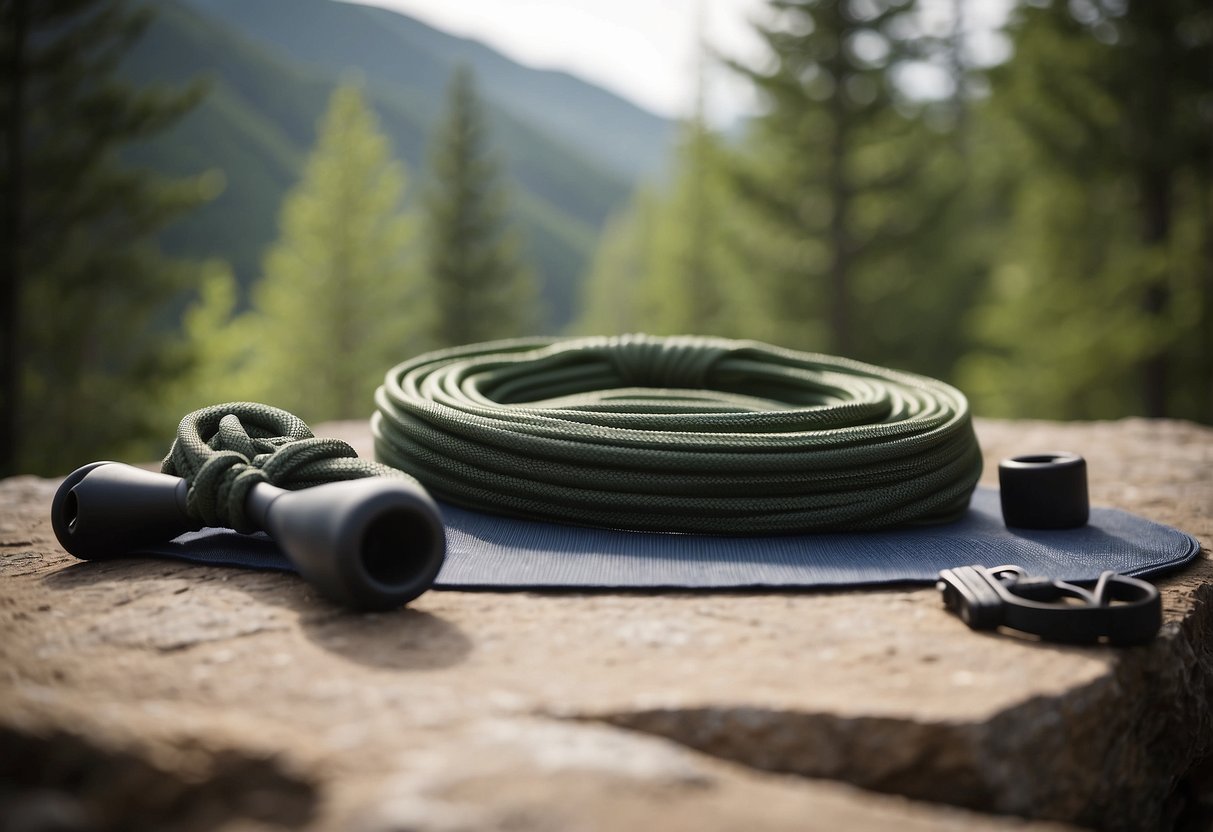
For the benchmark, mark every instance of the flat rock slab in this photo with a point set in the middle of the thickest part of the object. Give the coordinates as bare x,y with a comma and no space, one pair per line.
157,694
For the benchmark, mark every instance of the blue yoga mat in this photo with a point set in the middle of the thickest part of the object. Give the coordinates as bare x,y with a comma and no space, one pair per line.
489,552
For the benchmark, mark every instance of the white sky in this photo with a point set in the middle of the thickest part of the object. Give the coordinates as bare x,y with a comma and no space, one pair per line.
643,50
647,50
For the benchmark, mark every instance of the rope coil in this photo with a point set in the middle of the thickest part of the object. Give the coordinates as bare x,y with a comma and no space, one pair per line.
679,434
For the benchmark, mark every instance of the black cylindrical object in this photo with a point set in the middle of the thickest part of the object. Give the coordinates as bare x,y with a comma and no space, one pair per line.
371,543
107,508
1044,491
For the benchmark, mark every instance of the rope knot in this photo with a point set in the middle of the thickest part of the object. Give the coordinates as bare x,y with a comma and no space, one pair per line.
226,450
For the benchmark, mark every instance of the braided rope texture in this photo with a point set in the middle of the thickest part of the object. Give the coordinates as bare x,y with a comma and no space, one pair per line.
678,434
226,449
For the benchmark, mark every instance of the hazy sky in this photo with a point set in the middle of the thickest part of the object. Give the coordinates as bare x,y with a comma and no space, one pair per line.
644,50
647,50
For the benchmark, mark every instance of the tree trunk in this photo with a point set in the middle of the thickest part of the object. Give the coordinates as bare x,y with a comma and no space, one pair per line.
957,66
840,238
1156,217
1206,327
1156,123
10,293
702,301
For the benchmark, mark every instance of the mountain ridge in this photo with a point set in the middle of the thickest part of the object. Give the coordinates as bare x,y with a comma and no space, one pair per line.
629,139
258,124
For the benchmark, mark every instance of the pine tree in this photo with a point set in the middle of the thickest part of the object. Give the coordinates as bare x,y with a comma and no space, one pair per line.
341,298
1103,299
85,348
218,345
842,179
694,283
665,265
614,299
481,286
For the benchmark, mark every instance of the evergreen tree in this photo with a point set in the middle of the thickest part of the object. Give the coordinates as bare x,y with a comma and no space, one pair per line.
665,265
218,345
341,299
1102,303
614,299
845,184
481,287
84,285
694,283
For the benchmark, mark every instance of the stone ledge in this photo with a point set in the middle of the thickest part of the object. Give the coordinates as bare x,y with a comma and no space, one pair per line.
602,711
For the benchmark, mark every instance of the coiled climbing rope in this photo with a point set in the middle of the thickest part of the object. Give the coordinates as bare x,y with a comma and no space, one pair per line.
680,434
226,449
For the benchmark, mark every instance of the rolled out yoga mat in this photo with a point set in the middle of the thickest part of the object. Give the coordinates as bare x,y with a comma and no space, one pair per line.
492,552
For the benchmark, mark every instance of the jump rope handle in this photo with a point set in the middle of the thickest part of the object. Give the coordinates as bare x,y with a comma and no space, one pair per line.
369,544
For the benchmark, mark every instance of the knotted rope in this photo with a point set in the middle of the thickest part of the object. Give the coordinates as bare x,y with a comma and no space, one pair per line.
226,449
684,434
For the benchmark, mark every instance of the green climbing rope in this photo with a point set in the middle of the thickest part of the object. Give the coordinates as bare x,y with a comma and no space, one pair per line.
226,449
681,434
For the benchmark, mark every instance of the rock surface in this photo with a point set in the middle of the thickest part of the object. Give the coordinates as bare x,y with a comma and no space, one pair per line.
155,694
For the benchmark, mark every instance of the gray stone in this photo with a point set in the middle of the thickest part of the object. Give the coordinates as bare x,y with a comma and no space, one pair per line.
161,694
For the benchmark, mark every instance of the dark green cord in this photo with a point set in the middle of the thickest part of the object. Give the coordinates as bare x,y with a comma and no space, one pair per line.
684,434
226,449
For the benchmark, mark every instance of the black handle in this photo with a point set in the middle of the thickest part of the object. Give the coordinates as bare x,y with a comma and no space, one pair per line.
107,508
373,543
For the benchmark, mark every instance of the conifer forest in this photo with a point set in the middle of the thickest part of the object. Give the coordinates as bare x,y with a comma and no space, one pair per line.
208,201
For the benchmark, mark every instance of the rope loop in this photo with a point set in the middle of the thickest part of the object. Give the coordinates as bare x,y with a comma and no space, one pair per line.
223,451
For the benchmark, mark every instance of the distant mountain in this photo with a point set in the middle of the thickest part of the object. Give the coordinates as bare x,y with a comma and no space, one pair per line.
271,66
407,55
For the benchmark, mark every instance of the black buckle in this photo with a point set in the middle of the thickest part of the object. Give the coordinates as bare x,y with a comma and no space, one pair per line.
1120,609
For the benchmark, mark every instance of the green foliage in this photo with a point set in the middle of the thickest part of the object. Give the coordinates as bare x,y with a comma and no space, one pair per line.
87,338
1050,247
481,287
1101,302
665,265
270,84
341,299
217,345
830,227
614,296
843,180
929,242
695,284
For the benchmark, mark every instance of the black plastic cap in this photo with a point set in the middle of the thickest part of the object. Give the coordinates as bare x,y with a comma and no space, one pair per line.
1044,491
108,509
